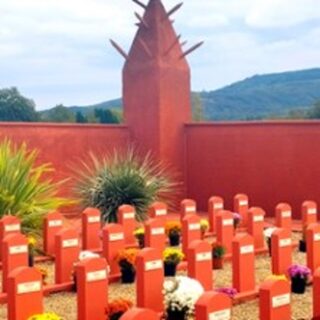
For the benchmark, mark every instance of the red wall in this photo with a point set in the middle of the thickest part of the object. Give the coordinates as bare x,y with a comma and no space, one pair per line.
270,161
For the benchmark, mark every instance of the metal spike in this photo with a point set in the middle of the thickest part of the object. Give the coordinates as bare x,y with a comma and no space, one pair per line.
119,49
145,47
141,20
184,43
196,46
176,41
139,3
174,9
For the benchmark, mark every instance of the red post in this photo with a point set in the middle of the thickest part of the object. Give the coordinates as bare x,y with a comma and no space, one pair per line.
140,314
14,255
91,225
241,206
243,268
190,231
275,300
256,225
316,295
92,282
126,217
52,224
150,277
309,213
281,245
113,242
8,225
25,294
215,204
155,236
213,306
158,210
225,230
284,216
187,206
200,263
67,249
313,246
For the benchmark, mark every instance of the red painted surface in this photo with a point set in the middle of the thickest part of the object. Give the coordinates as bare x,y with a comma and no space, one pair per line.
140,314
91,227
313,246
256,226
241,206
215,204
309,211
52,224
126,217
284,216
190,231
316,294
155,236
225,229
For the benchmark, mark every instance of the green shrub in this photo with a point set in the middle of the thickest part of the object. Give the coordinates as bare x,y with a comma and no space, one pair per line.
124,178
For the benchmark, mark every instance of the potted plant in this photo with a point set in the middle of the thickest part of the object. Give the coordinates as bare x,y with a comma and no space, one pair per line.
126,259
139,234
171,258
231,292
204,226
31,250
117,308
302,242
236,220
173,231
180,295
267,234
299,277
44,273
218,252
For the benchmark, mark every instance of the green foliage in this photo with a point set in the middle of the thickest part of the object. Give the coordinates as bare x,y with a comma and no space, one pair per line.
197,108
80,118
106,116
60,114
15,107
25,188
123,178
314,112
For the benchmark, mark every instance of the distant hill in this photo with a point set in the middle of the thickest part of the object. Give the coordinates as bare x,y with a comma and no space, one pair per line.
257,97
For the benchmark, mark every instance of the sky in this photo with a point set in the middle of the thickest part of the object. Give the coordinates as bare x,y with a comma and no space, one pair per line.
57,51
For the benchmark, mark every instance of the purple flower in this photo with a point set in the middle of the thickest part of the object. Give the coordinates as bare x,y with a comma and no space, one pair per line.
231,292
236,216
300,271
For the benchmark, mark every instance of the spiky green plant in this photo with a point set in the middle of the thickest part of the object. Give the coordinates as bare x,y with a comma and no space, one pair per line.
26,191
124,178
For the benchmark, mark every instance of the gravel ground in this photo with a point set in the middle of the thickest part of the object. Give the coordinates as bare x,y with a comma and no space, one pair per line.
64,304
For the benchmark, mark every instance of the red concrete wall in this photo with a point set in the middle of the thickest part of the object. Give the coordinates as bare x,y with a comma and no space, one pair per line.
270,161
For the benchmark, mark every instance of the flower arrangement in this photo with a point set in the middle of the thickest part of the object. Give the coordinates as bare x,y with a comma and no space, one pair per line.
231,292
236,219
218,250
173,231
299,276
126,259
45,316
44,273
31,249
204,226
180,295
139,234
117,308
172,256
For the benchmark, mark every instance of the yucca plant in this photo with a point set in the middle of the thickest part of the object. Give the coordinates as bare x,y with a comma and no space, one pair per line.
124,178
26,190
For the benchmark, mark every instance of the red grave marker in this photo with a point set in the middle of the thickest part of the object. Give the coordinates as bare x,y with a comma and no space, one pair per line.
213,306
225,229
316,295
140,314
52,224
281,245
187,206
126,217
200,263
67,249
91,225
313,246
25,293
190,231
241,206
155,235
158,210
309,213
150,277
215,204
275,300
113,242
92,288
14,255
284,216
243,267
256,226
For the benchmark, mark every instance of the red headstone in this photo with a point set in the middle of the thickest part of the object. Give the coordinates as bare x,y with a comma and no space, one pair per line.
313,246
155,235
309,213
275,300
256,225
284,216
92,282
8,225
67,249
113,242
215,204
190,231
213,306
241,206
281,245
225,229
25,294
91,225
243,268
126,217
188,206
140,314
158,210
150,277
316,295
52,224
200,263
14,255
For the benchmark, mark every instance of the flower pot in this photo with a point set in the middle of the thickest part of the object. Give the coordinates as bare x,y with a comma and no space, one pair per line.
269,246
170,269
176,315
217,263
141,242
128,275
30,260
302,246
174,240
116,316
298,285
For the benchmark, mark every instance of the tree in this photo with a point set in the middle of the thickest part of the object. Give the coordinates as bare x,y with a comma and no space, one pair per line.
106,116
15,107
59,113
80,118
197,108
314,112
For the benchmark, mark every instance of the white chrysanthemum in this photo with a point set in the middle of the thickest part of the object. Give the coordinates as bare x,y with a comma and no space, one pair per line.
87,255
268,232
